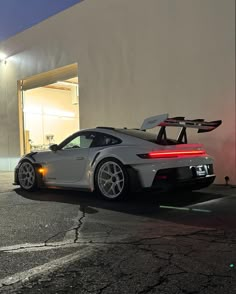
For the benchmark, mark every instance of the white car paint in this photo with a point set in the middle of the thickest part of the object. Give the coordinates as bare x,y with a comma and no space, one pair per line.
131,156
73,169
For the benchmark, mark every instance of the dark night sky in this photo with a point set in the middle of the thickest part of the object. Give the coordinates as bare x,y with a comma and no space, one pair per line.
18,15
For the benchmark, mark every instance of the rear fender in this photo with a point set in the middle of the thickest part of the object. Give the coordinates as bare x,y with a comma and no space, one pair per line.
134,179
95,162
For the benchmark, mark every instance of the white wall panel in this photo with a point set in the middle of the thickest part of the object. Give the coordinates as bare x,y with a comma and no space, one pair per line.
138,58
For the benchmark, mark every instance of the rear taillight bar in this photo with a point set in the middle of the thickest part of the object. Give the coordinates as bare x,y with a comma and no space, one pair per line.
172,154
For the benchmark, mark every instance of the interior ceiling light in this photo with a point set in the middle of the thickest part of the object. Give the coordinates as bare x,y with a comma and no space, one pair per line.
3,56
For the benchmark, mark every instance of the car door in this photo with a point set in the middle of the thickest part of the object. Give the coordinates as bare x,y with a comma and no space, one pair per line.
67,165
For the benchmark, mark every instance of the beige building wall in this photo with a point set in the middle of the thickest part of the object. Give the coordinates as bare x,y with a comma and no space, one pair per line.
136,59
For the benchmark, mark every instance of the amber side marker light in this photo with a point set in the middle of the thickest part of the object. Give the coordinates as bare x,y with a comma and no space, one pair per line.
173,154
41,171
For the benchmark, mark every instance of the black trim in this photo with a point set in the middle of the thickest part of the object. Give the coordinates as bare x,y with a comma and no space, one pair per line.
134,179
31,156
106,128
100,140
183,136
182,177
201,124
39,176
95,157
87,132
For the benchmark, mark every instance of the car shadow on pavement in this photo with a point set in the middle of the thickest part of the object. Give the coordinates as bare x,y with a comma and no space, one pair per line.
134,201
172,207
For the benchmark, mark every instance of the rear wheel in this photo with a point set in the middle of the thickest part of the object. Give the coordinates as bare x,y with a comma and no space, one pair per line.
27,176
111,179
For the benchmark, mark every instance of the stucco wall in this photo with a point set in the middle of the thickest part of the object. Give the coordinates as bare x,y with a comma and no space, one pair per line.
136,59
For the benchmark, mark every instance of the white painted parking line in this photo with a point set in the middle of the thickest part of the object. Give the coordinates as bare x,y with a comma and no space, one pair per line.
184,208
47,267
28,247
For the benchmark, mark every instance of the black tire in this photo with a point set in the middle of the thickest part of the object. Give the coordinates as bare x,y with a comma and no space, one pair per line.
117,183
27,177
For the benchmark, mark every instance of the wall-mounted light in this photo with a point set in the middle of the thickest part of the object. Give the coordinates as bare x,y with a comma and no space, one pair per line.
3,56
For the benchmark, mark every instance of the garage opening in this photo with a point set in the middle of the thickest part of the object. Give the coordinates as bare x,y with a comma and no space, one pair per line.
49,107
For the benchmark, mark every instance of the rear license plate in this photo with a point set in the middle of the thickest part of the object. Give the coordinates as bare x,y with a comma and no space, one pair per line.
199,170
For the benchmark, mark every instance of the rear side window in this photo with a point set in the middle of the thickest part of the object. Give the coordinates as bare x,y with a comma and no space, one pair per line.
139,134
102,139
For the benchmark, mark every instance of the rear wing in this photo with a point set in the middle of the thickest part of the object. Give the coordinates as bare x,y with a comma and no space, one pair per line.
164,121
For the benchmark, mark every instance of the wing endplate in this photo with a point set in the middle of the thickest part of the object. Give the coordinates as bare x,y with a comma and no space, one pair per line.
153,121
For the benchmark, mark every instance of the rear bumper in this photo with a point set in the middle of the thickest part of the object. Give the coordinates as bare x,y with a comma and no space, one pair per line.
183,178
195,184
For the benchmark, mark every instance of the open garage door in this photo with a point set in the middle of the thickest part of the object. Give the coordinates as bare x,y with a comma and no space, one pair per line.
50,77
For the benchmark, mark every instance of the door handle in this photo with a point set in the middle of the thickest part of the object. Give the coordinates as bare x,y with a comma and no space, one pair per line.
79,158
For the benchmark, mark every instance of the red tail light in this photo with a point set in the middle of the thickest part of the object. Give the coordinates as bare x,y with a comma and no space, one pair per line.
173,154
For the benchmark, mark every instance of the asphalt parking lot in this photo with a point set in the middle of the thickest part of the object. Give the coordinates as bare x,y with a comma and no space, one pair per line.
55,241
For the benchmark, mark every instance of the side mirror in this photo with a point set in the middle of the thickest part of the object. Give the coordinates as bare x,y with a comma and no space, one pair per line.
53,147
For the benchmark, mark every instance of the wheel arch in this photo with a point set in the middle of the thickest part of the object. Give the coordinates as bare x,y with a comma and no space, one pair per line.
133,175
36,165
105,158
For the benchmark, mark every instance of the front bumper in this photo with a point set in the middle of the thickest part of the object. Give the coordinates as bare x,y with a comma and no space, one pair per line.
16,181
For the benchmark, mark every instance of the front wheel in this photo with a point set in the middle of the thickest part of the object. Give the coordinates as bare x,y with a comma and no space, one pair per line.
27,176
111,179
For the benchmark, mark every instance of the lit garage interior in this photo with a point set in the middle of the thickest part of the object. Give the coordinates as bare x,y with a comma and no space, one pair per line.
50,113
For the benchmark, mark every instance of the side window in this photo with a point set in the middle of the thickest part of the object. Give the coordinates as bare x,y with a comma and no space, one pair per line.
104,140
81,141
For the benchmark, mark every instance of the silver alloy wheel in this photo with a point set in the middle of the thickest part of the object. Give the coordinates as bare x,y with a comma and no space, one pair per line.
26,175
111,179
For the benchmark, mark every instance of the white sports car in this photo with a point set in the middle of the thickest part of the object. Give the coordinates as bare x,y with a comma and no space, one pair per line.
114,161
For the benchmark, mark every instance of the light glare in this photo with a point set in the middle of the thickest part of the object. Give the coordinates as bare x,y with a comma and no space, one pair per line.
3,56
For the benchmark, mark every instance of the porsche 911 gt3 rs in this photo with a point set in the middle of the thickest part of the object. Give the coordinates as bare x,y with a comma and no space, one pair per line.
114,161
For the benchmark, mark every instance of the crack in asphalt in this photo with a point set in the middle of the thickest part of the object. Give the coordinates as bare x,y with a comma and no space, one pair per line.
45,244
162,276
138,242
164,255
182,271
162,280
104,288
76,229
175,235
80,223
